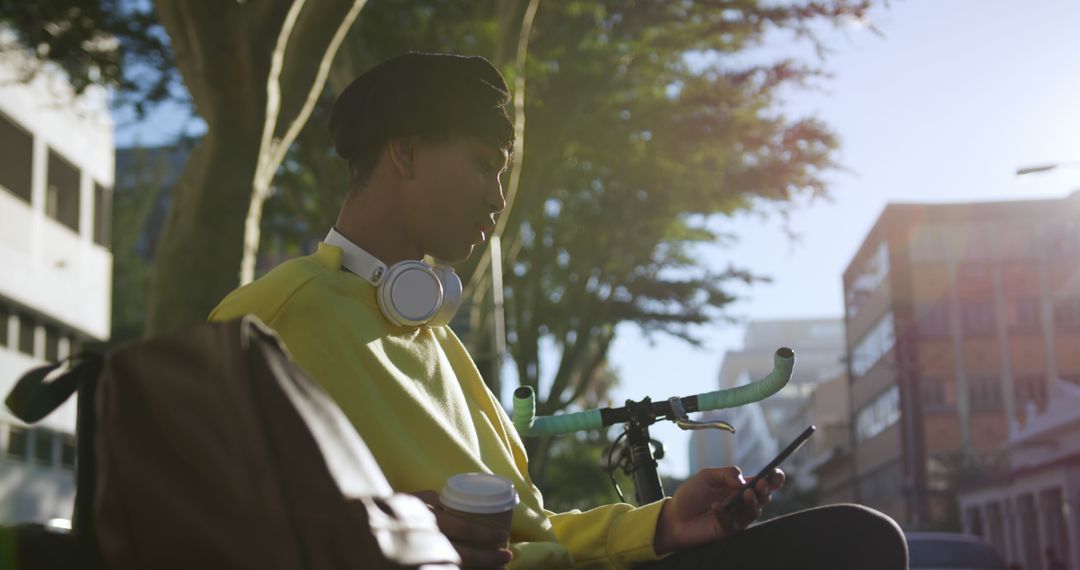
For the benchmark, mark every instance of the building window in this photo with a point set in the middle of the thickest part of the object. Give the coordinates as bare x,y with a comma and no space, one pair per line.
18,444
975,275
52,343
974,517
882,484
984,393
1030,388
933,394
871,274
5,313
1063,239
1052,504
26,334
16,159
102,215
973,242
65,345
926,244
878,342
994,523
878,415
43,446
67,451
937,472
1027,523
935,321
977,317
1067,313
62,191
1026,314
1017,242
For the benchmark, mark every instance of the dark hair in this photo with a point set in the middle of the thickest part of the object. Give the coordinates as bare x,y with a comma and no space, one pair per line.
435,96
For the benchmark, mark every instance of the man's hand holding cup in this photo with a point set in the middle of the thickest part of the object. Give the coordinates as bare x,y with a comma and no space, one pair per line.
474,511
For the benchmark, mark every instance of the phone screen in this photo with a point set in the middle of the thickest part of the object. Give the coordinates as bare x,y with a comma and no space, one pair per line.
791,448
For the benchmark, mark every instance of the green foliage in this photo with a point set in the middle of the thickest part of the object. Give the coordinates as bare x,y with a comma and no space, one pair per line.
117,43
310,186
131,272
144,181
574,479
575,476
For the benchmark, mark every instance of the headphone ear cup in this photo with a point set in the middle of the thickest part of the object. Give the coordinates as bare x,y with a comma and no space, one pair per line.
410,294
451,286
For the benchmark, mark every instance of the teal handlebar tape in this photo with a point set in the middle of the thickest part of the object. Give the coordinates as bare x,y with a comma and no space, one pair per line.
528,425
783,363
524,409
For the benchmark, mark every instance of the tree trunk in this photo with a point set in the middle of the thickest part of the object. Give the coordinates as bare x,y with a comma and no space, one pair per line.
254,86
198,258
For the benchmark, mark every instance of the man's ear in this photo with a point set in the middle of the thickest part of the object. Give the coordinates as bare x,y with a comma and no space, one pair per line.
402,155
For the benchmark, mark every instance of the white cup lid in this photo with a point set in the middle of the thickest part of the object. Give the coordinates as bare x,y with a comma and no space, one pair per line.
480,493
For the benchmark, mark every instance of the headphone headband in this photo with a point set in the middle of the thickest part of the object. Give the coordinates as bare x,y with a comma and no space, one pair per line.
355,259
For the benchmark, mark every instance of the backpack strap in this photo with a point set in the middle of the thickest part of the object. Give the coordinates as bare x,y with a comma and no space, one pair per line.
35,396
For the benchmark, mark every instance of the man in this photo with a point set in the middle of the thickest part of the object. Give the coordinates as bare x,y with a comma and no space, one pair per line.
426,137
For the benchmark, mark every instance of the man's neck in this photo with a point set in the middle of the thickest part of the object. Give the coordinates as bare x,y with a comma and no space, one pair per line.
375,229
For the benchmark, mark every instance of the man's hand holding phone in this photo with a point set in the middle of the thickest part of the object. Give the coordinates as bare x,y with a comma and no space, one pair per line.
747,503
718,502
769,470
696,514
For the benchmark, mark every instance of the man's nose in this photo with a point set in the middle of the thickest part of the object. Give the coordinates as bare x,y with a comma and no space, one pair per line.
495,198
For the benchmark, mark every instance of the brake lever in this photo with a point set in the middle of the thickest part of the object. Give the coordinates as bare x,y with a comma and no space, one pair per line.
684,421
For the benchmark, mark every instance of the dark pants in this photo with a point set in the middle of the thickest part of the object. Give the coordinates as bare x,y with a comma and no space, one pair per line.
834,537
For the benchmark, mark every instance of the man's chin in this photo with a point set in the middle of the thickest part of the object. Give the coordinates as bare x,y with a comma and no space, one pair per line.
456,255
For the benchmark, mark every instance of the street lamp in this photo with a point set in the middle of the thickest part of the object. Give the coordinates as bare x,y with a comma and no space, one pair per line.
1045,167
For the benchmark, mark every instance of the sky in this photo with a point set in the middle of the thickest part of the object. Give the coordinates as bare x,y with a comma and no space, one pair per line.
943,106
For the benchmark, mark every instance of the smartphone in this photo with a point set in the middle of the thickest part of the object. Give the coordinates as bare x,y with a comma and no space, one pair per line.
792,448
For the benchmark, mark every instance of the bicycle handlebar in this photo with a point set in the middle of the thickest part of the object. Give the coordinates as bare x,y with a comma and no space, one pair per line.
530,425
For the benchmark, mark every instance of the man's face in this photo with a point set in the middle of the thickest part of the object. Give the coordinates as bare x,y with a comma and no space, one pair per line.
453,196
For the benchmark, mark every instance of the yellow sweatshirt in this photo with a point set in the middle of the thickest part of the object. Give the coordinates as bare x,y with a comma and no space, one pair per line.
419,402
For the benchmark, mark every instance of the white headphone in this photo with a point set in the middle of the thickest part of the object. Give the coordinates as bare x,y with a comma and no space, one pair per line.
410,293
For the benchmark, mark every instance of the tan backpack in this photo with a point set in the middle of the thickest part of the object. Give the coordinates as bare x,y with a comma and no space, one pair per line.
214,450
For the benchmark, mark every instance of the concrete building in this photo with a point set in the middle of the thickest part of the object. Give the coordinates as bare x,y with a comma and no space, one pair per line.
56,175
829,408
957,316
763,429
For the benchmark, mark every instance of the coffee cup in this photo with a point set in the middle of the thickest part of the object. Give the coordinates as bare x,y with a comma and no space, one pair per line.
481,497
